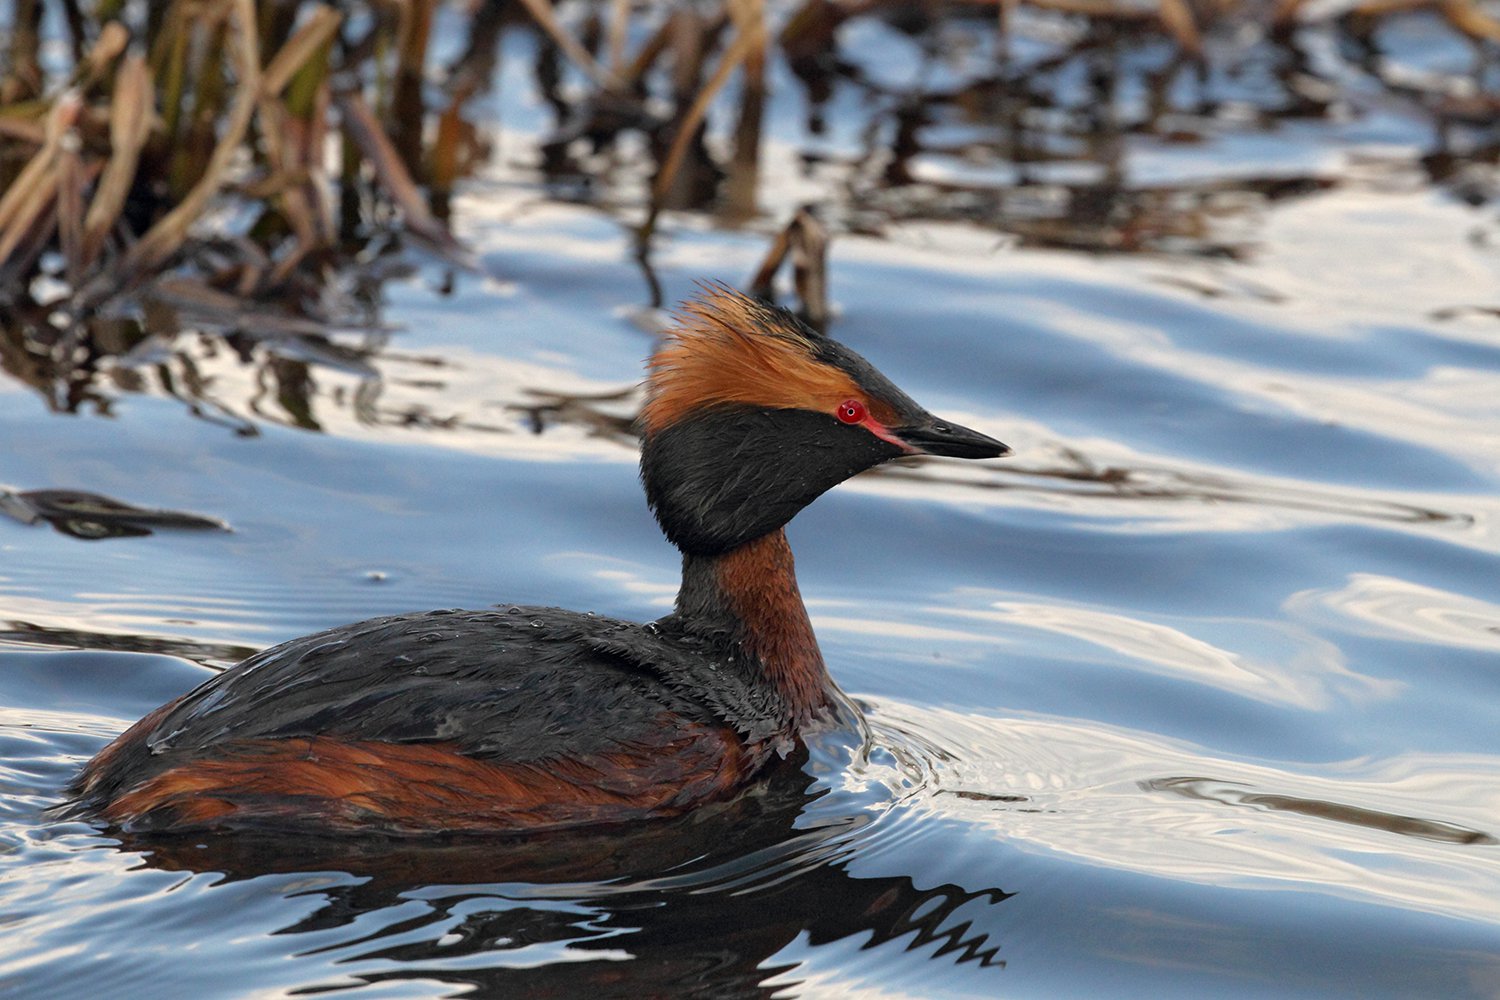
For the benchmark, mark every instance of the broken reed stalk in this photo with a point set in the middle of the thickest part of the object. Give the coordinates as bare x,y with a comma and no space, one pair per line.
445,161
32,197
365,133
805,240
163,239
546,18
24,79
111,43
743,180
751,37
291,129
314,37
619,27
70,182
129,124
404,117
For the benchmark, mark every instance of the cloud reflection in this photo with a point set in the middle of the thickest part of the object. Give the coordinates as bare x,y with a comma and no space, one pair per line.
1384,607
1309,678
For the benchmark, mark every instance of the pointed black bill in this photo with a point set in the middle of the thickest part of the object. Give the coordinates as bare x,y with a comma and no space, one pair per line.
940,437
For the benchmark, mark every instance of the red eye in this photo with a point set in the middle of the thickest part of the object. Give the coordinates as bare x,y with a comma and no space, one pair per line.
851,411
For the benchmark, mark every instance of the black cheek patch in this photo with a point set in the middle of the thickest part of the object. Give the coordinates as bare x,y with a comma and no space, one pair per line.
732,474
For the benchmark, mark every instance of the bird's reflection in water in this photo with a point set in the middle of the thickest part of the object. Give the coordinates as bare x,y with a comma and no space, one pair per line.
696,906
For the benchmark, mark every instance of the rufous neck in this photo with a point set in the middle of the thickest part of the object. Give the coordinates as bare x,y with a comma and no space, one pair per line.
750,593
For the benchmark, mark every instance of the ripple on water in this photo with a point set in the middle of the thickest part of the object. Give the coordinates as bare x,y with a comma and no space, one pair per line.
1414,831
912,845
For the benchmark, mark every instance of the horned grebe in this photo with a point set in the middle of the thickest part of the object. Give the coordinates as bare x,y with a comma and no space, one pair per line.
536,718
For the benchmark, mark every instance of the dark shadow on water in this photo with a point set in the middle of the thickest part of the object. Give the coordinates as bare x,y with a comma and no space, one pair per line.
218,656
699,905
93,516
1234,793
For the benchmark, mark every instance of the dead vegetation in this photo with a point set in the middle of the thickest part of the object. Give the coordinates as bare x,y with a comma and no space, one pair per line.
246,171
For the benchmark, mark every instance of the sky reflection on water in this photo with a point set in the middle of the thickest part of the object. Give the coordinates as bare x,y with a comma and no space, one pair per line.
1195,695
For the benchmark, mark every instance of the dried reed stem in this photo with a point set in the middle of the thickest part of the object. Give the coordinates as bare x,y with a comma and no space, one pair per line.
130,116
750,38
541,11
163,239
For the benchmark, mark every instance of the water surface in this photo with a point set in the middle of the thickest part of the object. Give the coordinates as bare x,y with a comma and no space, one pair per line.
1195,695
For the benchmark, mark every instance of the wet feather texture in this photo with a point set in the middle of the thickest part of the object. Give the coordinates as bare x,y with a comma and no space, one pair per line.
544,694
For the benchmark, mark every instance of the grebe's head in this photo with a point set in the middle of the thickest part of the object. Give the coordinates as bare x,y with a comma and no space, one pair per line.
750,416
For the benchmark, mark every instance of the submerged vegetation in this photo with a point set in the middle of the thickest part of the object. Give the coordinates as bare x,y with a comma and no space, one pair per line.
252,172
